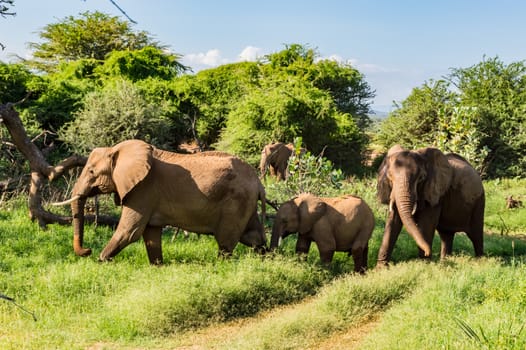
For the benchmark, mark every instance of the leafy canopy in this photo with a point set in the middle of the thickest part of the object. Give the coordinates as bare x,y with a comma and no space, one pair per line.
241,107
478,112
142,63
91,35
116,113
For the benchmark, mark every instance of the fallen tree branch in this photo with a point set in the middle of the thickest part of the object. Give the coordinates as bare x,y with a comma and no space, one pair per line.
42,171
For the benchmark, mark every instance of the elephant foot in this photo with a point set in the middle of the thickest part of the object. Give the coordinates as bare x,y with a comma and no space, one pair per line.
104,260
83,252
382,264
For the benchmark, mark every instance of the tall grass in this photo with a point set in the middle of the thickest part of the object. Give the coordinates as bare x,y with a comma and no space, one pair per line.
498,219
466,305
80,303
341,304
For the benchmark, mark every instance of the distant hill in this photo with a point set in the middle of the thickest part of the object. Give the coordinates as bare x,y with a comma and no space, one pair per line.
378,114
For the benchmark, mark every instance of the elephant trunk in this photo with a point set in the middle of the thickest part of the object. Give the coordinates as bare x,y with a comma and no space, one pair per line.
77,210
276,236
405,203
263,165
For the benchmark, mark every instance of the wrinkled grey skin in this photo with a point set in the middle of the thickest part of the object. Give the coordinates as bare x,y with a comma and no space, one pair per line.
426,191
210,193
341,224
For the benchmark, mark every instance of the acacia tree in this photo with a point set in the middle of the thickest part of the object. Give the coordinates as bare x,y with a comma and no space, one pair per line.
91,35
65,43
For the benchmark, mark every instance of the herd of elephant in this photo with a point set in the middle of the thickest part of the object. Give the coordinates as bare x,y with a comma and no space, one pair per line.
217,193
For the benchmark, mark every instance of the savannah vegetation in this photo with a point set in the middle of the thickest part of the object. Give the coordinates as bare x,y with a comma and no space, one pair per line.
77,97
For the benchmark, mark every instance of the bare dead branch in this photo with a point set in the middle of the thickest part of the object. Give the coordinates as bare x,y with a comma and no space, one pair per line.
122,11
41,171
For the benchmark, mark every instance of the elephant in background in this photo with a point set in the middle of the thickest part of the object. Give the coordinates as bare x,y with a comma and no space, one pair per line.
275,157
428,190
209,192
336,224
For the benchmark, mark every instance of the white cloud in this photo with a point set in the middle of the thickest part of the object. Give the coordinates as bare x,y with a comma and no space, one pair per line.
250,53
211,58
214,58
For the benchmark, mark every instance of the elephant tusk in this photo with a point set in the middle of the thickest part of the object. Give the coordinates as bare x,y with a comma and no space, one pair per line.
66,202
391,205
414,209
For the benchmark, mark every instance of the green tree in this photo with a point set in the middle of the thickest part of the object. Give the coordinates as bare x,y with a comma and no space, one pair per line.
206,98
57,96
458,131
479,112
142,64
91,35
348,87
13,82
497,91
241,107
284,109
116,113
414,123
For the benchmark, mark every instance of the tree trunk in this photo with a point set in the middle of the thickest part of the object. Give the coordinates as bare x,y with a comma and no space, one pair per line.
40,169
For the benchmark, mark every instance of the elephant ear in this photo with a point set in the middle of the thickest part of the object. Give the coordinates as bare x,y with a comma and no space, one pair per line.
131,162
439,175
311,209
383,183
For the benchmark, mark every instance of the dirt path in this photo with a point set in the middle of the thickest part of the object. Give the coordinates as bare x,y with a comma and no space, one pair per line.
350,338
219,336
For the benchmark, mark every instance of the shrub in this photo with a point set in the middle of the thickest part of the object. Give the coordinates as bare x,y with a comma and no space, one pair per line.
308,173
116,113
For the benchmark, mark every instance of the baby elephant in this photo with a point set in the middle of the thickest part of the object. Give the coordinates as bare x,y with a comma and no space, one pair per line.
335,224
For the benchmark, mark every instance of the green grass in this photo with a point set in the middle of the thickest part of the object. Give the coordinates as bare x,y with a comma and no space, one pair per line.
498,219
463,303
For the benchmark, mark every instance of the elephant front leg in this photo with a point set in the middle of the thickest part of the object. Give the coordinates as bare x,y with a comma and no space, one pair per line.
152,240
130,228
393,226
302,246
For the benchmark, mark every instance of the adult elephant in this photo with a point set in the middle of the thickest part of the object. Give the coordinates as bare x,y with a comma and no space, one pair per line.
275,157
428,190
210,192
336,224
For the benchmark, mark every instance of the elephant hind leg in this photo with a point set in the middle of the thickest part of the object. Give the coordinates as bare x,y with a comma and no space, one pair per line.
476,231
152,240
477,238
360,254
446,243
326,256
254,235
226,243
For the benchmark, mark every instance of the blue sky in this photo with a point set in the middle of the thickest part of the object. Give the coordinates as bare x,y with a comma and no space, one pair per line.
396,44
